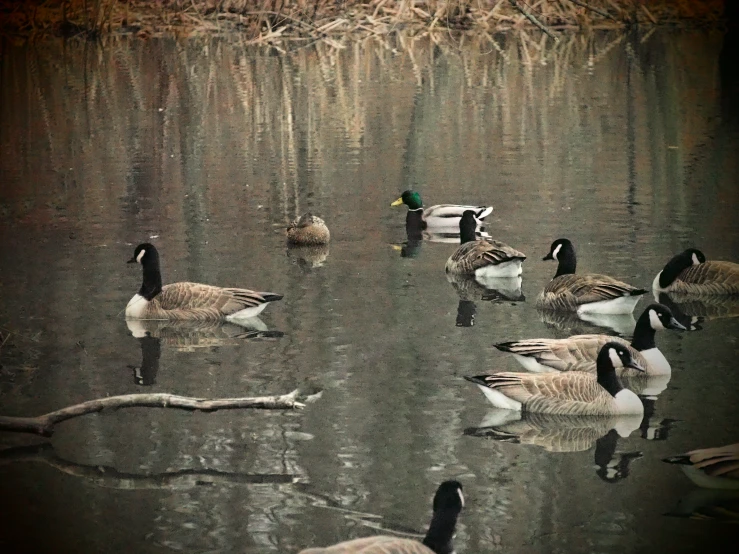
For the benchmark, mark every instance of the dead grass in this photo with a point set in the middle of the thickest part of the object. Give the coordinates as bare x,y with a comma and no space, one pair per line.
279,20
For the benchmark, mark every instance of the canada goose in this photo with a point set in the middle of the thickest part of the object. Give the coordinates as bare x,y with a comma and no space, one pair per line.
703,504
190,336
692,310
712,468
441,215
308,230
589,292
579,352
570,393
482,258
448,503
690,273
192,301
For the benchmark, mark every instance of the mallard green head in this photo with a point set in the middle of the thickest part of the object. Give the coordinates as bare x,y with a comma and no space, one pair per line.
411,199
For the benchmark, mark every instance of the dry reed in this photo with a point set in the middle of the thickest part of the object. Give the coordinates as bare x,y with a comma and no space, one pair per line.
269,21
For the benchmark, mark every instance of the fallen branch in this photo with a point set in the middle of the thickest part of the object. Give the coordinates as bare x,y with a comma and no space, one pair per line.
528,15
44,424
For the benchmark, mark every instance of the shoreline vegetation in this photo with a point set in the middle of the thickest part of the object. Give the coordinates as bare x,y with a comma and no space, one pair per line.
275,21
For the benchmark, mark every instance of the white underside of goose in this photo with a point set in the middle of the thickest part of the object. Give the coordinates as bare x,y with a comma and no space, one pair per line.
500,400
506,285
246,313
621,305
626,402
655,284
511,268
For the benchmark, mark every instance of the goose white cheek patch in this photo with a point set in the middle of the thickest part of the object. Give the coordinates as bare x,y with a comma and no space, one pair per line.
695,260
615,359
556,251
655,321
461,496
141,255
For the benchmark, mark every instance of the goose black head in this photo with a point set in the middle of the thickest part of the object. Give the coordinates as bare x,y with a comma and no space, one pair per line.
660,317
615,355
562,251
143,253
679,263
449,497
467,227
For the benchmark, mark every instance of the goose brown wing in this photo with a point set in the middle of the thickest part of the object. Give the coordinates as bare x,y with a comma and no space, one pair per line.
196,296
482,253
591,287
373,545
722,461
572,393
713,277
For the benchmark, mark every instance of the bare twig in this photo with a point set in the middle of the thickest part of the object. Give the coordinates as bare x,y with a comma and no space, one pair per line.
44,424
592,9
528,15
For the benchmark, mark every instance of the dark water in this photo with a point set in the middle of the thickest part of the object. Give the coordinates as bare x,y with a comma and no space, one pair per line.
626,145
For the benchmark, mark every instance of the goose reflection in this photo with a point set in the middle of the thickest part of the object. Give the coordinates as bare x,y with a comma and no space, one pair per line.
692,309
720,505
192,335
558,433
308,257
469,288
415,237
571,323
145,375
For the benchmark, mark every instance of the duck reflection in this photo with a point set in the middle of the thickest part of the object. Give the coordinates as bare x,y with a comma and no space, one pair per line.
192,335
308,257
692,310
559,433
571,323
469,288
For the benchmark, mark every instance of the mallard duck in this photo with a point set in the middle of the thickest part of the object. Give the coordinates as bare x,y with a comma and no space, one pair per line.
570,393
439,216
191,301
482,258
448,503
308,230
589,292
690,273
580,352
712,468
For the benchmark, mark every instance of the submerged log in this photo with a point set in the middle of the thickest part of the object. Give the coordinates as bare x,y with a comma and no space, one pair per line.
44,424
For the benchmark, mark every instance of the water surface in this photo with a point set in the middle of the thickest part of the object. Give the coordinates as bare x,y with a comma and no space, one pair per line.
624,144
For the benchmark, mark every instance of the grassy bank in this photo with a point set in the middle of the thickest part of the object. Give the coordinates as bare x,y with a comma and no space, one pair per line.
276,20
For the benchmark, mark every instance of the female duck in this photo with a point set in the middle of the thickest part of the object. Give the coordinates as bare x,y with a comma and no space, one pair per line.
308,230
482,258
586,293
580,352
690,273
190,301
439,216
571,393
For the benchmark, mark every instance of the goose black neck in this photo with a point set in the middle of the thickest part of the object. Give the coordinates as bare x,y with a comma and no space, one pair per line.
674,268
467,229
567,262
441,531
152,283
643,333
414,224
607,374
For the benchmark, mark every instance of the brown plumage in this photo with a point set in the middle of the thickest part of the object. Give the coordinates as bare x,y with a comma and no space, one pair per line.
448,503
711,467
188,301
308,230
690,273
569,393
589,292
570,292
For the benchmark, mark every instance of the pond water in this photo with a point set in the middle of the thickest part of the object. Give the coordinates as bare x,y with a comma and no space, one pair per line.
626,144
